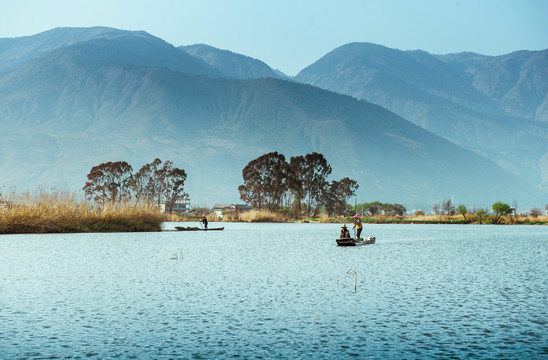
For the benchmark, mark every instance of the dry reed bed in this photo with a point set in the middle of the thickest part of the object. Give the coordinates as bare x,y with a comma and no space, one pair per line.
63,213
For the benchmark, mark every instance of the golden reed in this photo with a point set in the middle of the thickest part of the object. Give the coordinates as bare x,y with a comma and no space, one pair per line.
64,212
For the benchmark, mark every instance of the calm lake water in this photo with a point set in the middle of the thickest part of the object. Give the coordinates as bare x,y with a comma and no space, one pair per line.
275,291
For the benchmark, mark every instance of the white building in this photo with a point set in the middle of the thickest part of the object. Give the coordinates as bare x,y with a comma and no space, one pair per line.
182,206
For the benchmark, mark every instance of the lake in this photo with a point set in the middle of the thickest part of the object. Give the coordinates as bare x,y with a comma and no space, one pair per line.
277,291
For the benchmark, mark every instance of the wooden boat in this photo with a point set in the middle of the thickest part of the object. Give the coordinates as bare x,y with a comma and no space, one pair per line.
182,228
356,242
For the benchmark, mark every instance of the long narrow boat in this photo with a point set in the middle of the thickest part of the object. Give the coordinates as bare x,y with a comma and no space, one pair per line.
181,228
356,242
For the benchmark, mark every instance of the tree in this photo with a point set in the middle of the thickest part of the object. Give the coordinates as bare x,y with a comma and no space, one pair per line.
337,194
448,207
359,208
535,213
501,209
145,184
461,209
109,182
265,181
295,182
316,170
172,181
373,208
159,183
480,212
398,209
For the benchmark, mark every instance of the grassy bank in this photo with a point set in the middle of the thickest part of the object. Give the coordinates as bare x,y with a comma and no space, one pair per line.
63,213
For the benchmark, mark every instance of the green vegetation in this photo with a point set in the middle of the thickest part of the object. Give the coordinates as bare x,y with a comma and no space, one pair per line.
501,209
376,208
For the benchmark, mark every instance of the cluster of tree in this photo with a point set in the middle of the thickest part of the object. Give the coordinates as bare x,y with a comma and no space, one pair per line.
270,182
536,212
376,208
446,207
500,209
115,182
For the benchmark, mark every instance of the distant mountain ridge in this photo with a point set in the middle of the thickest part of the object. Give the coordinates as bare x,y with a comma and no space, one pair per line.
134,97
495,106
518,82
118,45
231,65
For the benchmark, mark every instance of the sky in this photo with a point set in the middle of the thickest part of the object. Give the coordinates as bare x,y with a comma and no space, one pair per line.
289,35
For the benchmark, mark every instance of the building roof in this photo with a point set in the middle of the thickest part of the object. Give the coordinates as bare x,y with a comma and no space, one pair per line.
231,207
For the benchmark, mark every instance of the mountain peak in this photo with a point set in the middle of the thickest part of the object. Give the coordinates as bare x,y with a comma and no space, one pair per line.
230,64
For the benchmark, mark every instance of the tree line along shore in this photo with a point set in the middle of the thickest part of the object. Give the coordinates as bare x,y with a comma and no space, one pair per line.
65,213
118,200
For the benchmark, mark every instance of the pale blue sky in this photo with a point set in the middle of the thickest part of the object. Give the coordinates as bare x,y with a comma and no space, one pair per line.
291,34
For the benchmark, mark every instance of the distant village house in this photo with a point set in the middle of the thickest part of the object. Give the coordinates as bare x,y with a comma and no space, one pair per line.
220,209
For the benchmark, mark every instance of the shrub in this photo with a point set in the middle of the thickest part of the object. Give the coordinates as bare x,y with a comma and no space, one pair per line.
535,213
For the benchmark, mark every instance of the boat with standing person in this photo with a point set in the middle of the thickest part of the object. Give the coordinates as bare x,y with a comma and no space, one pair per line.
193,228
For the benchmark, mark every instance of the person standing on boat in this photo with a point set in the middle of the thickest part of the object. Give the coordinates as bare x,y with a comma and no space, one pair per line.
344,232
358,225
204,220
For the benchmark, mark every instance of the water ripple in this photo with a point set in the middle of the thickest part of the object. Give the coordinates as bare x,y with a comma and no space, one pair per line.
283,291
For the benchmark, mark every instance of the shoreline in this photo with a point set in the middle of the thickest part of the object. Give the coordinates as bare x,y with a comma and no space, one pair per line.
55,230
420,219
50,219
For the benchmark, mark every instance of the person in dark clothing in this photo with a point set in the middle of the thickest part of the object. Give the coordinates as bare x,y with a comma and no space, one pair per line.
204,220
344,232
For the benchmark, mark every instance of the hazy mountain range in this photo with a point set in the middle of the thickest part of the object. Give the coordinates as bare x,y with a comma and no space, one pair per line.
496,106
71,98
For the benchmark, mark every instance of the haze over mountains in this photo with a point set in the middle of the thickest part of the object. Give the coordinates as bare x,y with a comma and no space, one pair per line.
496,106
71,98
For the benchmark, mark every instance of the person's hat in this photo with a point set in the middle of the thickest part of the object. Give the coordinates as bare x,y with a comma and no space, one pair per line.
343,226
356,216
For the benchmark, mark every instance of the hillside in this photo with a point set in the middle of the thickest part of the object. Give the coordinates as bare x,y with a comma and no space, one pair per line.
231,65
99,100
494,106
